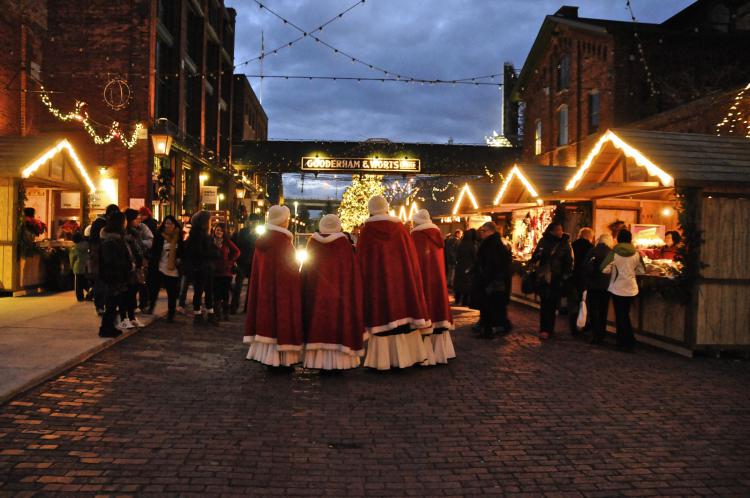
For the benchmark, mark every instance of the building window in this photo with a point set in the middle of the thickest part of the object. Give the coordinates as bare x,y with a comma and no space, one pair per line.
562,123
593,112
563,72
720,18
538,137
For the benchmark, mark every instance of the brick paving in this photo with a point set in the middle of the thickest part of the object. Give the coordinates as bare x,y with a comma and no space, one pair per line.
177,410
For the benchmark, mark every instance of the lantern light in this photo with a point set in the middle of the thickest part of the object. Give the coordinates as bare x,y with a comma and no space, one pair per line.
162,143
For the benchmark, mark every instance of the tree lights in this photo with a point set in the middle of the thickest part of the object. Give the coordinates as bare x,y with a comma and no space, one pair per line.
81,115
353,209
734,117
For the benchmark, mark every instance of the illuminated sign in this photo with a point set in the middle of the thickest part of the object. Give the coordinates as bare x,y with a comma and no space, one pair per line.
376,165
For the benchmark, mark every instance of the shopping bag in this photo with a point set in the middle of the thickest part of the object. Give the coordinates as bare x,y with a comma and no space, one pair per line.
582,312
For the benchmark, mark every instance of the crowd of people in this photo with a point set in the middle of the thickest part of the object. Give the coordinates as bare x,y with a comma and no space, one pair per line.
124,259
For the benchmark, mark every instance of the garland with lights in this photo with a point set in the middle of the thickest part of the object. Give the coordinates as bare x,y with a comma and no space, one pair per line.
353,209
82,116
641,53
734,117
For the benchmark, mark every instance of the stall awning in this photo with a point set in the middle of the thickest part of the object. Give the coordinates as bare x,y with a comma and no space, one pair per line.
471,197
624,161
529,185
22,157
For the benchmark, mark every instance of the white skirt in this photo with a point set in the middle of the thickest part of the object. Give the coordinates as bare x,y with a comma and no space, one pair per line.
429,351
399,351
269,354
327,359
442,347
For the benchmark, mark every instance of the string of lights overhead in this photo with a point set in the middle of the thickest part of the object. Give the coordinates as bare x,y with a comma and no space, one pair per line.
382,80
734,118
641,52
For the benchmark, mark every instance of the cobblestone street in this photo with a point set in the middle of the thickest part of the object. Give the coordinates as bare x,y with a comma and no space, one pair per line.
176,410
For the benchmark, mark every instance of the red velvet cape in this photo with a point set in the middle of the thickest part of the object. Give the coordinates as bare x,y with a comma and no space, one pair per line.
332,295
274,306
430,251
391,278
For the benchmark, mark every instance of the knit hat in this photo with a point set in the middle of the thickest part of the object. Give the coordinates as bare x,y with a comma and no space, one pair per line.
421,217
377,205
277,215
329,223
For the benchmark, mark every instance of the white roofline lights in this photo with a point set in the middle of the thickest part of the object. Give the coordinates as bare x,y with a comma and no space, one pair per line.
516,171
641,160
62,144
465,190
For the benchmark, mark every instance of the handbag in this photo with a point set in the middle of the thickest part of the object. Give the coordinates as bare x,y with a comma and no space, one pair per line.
582,312
528,282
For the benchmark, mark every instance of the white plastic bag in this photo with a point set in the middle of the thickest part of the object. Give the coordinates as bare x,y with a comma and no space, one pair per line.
582,313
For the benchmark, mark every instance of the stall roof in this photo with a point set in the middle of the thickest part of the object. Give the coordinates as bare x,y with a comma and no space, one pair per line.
471,197
532,184
673,158
21,156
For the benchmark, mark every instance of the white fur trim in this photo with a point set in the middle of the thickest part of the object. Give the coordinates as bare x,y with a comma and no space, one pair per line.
383,217
250,339
416,323
327,240
333,347
274,228
425,226
400,351
445,324
269,354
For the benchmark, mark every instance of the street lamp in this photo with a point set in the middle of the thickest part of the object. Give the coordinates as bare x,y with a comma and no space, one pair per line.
296,205
240,192
161,139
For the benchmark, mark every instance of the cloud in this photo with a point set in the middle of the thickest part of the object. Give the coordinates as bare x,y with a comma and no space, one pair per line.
443,39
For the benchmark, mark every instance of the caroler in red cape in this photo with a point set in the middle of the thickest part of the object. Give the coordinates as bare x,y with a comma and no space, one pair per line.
394,304
332,300
428,241
273,327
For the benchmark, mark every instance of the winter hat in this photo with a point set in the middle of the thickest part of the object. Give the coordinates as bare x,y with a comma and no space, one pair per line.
130,214
421,217
377,205
277,215
145,212
329,223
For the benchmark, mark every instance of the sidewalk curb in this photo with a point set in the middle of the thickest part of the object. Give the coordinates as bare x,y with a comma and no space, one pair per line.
71,363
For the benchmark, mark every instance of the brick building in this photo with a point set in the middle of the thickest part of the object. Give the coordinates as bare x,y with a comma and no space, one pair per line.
583,75
249,120
176,57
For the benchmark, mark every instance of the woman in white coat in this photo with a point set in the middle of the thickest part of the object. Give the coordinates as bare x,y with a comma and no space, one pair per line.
623,263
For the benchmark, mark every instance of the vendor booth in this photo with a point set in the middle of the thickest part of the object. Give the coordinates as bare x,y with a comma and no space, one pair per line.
43,191
685,188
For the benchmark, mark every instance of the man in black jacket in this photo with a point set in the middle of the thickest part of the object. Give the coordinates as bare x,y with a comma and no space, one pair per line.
492,282
94,242
581,247
244,239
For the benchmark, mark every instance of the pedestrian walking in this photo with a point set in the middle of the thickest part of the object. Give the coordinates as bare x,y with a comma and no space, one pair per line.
333,318
137,277
79,261
228,255
623,264
466,256
96,228
201,255
273,326
115,265
553,260
451,252
581,247
492,273
244,239
395,309
596,284
166,254
428,242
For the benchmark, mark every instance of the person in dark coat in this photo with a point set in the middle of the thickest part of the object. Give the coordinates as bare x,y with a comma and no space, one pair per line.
553,259
451,251
595,282
466,255
223,270
115,265
94,238
244,239
199,263
164,263
137,277
492,272
581,247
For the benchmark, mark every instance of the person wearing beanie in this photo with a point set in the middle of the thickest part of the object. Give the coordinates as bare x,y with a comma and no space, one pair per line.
395,309
201,255
332,300
95,230
428,241
273,326
116,264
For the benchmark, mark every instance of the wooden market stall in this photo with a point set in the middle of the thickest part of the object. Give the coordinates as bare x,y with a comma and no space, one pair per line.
43,190
699,186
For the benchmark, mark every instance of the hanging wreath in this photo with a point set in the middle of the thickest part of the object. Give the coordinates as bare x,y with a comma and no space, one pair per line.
164,184
117,94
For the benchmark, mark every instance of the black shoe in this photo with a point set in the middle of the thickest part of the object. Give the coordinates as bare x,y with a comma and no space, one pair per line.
170,316
109,332
213,319
198,319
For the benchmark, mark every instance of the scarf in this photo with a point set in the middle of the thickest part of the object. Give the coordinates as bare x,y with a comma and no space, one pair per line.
172,257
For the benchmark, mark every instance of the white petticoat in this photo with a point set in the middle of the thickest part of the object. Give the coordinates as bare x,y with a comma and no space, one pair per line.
400,351
327,359
269,354
442,347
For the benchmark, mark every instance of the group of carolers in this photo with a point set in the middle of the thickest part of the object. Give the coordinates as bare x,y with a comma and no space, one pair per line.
391,292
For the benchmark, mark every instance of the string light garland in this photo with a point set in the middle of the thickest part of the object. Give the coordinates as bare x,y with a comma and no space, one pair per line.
82,116
641,53
353,209
382,80
734,117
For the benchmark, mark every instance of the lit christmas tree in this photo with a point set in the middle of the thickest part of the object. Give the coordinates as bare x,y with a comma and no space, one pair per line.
353,209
